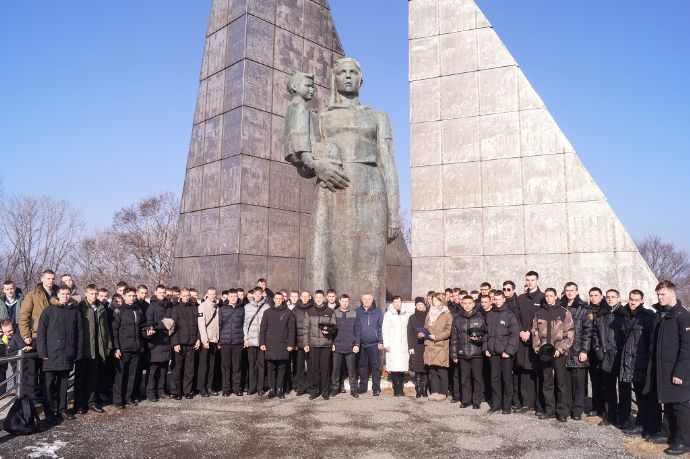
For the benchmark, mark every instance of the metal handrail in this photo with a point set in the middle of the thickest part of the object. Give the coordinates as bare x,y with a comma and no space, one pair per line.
17,376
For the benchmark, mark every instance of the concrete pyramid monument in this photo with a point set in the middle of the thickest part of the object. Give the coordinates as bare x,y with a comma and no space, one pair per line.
245,212
497,188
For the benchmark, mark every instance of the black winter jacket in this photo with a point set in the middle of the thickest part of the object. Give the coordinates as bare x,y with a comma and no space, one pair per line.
59,336
311,327
127,333
349,332
605,336
186,317
670,355
633,343
230,323
583,323
461,346
502,331
158,345
529,304
277,332
416,322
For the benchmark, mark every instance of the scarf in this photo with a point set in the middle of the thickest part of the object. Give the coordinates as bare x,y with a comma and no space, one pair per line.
435,312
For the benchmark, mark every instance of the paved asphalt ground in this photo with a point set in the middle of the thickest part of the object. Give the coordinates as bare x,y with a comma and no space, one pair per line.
368,427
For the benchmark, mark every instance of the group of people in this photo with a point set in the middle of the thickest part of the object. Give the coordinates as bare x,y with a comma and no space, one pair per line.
527,351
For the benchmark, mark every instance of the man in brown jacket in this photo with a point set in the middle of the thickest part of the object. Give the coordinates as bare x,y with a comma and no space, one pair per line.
552,337
35,302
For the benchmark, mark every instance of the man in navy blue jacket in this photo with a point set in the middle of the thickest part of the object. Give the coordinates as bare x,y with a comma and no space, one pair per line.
370,320
345,345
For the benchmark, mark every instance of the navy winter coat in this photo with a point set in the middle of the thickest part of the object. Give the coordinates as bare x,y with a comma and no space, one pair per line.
349,332
371,322
230,324
59,336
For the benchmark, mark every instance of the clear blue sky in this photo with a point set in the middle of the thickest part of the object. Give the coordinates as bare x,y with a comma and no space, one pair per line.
97,98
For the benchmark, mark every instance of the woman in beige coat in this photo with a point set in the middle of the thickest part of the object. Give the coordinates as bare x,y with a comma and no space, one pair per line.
438,324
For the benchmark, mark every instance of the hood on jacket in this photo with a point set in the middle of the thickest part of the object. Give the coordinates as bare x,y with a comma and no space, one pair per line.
392,310
468,315
70,303
320,311
301,305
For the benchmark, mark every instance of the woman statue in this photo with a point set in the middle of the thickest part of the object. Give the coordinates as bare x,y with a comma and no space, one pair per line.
356,208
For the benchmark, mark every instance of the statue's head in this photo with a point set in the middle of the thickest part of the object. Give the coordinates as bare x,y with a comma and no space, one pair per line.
302,84
347,77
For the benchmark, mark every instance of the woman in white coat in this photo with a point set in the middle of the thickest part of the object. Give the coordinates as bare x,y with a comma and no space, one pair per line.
395,344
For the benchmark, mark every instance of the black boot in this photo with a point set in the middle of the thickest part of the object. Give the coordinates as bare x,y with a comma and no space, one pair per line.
425,385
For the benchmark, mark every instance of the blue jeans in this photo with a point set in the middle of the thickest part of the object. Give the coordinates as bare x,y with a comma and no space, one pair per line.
370,357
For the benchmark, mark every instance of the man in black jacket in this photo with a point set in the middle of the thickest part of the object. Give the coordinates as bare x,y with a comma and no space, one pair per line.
158,345
231,343
633,348
185,342
596,299
529,303
578,361
467,346
604,338
128,344
345,345
502,332
669,372
512,301
277,339
96,346
59,338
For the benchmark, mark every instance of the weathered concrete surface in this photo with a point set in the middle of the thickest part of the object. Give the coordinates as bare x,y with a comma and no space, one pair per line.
373,427
497,188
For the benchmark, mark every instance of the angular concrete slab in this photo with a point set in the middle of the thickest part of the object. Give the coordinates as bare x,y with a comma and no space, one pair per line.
514,194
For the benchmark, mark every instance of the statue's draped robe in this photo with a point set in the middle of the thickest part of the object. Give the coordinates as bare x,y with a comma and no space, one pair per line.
350,226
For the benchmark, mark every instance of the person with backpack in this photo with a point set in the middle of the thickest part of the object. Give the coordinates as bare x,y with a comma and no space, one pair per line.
58,339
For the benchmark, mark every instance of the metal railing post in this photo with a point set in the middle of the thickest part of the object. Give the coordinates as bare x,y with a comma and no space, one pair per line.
20,374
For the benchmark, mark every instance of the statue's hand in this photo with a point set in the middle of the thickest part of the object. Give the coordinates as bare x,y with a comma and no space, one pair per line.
331,174
393,233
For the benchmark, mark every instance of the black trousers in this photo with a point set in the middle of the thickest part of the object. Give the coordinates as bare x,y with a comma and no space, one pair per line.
125,375
139,376
472,380
319,370
528,388
578,385
370,357
33,381
678,415
486,374
56,383
517,401
276,369
183,372
108,376
556,395
207,367
155,378
454,379
231,367
298,380
255,370
438,379
610,397
501,382
597,380
350,360
86,375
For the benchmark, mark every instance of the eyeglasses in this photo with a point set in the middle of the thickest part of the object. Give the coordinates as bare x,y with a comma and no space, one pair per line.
507,289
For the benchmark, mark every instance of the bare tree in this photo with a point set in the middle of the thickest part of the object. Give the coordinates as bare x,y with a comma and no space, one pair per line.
147,231
102,259
39,233
406,227
668,262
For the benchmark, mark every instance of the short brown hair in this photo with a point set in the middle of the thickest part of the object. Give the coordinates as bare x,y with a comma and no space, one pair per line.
665,284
